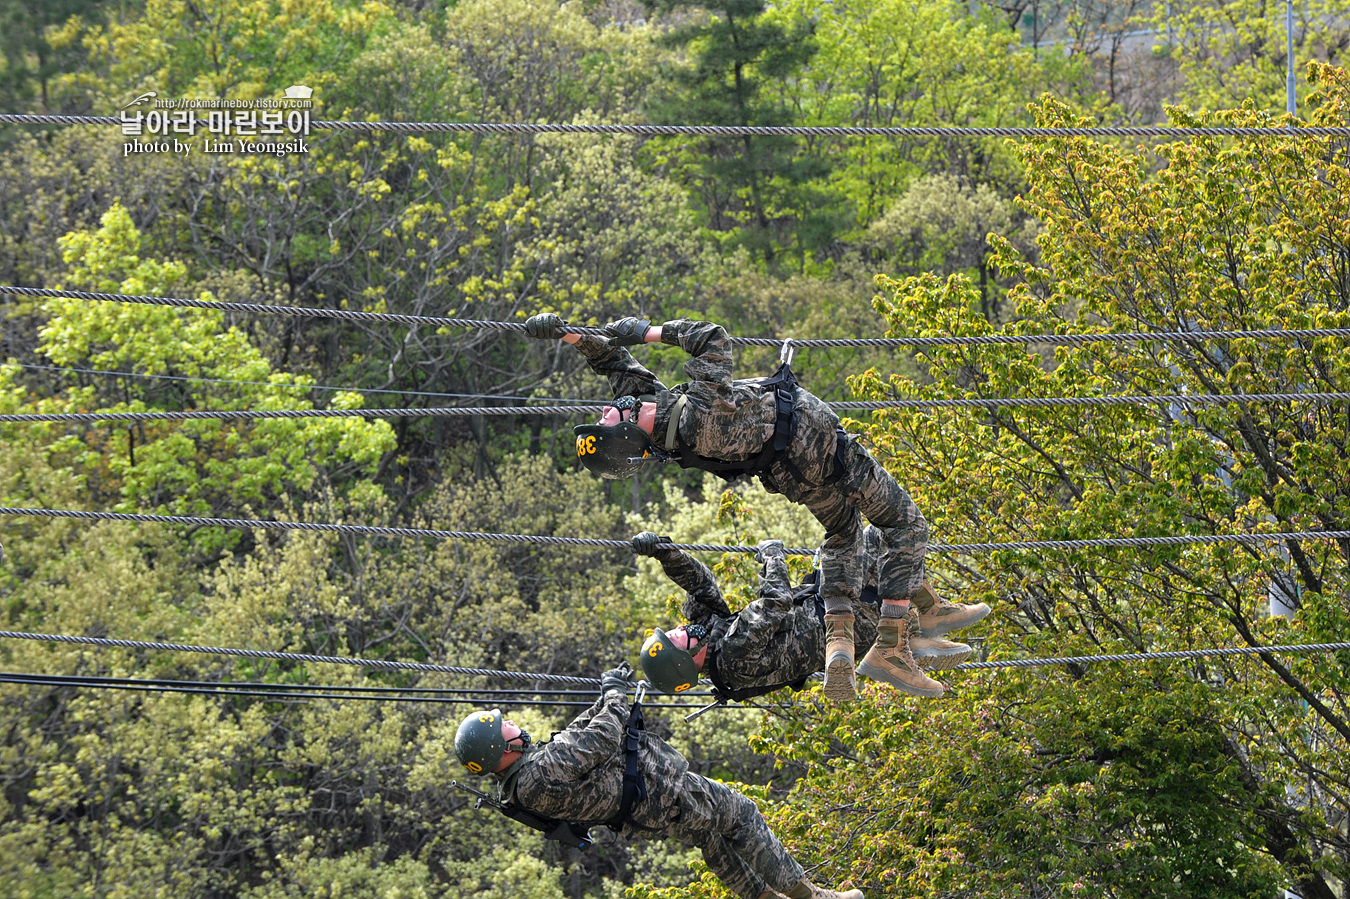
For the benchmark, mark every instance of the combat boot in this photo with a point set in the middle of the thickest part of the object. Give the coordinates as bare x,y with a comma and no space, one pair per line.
805,889
891,661
935,653
938,616
840,683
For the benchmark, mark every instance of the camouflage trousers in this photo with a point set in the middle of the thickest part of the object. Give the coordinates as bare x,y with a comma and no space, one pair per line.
735,840
864,490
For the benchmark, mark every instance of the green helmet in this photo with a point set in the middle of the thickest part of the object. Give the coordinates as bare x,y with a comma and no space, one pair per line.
610,450
479,744
670,670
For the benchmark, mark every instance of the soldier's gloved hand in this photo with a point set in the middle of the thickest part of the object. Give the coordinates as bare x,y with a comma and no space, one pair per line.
770,549
545,326
647,544
620,679
628,331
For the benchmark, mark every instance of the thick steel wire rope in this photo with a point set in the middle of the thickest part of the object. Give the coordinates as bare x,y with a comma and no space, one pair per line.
1282,649
57,680
1146,656
742,130
436,533
973,340
382,664
109,373
340,688
591,407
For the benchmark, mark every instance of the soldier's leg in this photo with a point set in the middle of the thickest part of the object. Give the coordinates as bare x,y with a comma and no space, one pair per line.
736,842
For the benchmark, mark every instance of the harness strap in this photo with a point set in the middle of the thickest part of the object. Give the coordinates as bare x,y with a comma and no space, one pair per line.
673,427
783,383
723,693
634,787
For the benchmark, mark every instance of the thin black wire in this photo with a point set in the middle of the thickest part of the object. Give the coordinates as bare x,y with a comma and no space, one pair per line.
394,318
137,685
591,407
134,374
436,533
744,130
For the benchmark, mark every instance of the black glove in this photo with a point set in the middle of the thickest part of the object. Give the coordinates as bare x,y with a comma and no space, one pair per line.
770,549
628,331
544,326
647,543
620,679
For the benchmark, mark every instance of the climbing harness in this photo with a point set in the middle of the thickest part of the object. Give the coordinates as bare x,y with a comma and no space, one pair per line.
783,383
634,787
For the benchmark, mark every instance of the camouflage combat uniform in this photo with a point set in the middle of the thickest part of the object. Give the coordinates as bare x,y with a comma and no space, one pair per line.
578,776
731,420
777,640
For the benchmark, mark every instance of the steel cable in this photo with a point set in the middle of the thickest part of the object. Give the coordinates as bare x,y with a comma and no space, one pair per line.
1146,656
382,664
972,340
226,689
436,533
591,407
745,130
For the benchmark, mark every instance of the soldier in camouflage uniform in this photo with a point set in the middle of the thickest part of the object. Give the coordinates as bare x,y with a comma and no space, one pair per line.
578,776
774,642
714,417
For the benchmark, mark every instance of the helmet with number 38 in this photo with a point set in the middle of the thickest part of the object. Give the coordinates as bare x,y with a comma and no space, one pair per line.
613,451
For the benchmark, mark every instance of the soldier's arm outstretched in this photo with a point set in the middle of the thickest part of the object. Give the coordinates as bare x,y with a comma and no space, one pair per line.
592,739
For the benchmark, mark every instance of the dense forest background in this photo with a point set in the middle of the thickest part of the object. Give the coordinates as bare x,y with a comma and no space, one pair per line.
1215,778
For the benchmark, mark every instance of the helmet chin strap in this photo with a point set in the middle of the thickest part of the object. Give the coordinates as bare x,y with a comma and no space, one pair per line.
524,739
627,407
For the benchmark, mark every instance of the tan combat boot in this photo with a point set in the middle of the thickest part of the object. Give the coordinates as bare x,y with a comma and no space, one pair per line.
938,616
805,889
891,661
938,654
840,684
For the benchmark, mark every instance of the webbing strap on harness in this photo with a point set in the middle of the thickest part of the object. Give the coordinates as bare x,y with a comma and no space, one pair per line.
634,787
784,385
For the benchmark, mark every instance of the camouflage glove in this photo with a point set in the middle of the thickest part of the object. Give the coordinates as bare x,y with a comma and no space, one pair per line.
648,544
544,326
620,679
628,331
770,549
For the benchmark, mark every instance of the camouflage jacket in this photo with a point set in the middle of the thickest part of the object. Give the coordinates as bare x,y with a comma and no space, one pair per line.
723,418
774,641
578,775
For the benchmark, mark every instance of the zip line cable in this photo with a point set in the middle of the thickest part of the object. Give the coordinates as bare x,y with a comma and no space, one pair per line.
145,686
591,407
198,380
383,531
743,130
971,340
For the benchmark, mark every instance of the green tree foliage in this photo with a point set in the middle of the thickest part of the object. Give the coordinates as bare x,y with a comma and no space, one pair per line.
758,187
1204,779
1234,54
189,467
1216,778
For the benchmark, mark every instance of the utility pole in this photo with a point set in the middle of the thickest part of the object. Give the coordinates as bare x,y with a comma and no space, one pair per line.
1290,100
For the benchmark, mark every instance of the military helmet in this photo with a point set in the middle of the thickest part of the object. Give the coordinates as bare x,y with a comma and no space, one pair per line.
670,669
479,744
613,451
